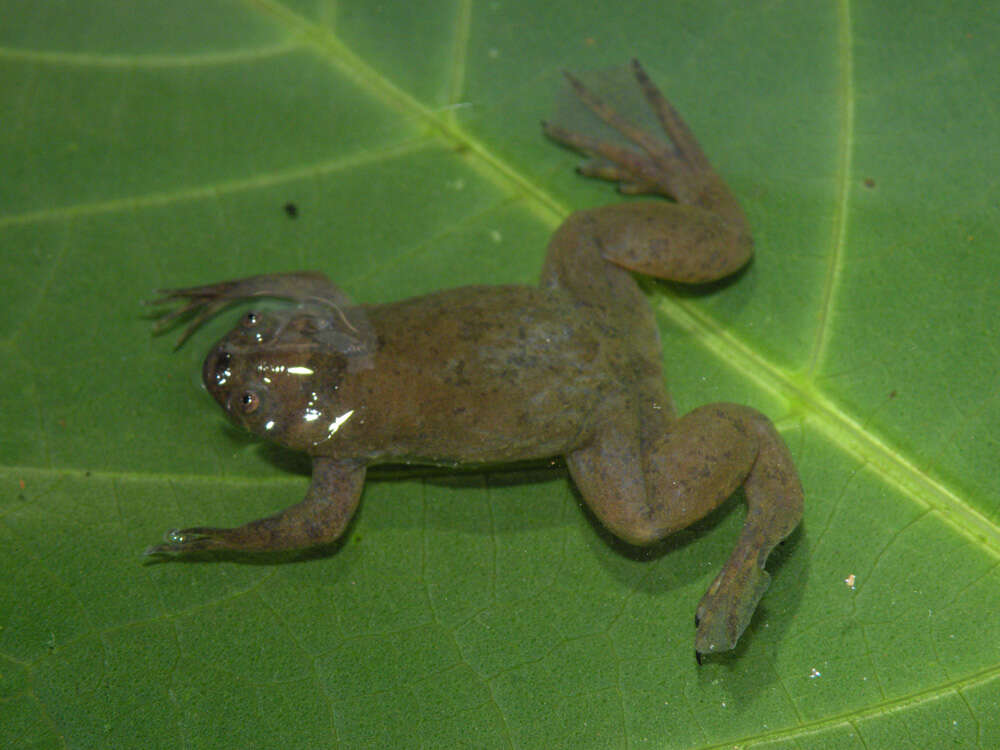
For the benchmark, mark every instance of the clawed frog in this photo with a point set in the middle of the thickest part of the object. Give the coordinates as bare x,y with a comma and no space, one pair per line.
488,374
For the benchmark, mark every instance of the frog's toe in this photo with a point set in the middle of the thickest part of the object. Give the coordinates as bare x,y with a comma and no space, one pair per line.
602,169
633,171
606,170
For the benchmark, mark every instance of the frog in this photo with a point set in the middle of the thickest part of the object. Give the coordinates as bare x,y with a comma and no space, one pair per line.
485,375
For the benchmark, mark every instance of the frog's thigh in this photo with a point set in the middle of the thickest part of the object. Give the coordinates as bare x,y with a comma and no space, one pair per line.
645,478
674,241
608,473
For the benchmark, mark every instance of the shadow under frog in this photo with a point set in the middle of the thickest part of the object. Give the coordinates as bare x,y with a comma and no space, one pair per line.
495,374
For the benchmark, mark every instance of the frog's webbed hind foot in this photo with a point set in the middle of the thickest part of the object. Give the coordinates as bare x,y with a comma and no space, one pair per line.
202,302
676,168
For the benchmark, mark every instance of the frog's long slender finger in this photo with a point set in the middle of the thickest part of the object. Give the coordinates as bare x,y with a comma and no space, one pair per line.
205,311
164,321
677,130
191,297
164,299
203,307
599,107
206,291
168,297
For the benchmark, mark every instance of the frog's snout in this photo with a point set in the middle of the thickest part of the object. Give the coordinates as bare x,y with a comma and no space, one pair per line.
217,370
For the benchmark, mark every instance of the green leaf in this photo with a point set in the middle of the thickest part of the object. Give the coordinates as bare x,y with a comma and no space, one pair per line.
156,144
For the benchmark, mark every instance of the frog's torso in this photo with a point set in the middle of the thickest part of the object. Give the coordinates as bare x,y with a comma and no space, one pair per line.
481,374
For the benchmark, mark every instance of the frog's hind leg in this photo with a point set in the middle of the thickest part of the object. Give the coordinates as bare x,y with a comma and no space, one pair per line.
774,501
646,477
703,236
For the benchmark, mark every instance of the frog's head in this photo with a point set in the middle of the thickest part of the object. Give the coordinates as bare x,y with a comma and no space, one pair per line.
278,374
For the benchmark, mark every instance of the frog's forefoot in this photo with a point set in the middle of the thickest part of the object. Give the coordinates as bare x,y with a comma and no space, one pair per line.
199,302
202,302
182,541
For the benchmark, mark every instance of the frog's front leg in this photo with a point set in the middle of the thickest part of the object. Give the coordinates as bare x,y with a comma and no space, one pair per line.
646,477
205,301
320,518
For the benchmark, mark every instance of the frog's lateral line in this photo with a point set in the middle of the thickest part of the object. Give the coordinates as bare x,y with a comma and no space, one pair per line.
483,374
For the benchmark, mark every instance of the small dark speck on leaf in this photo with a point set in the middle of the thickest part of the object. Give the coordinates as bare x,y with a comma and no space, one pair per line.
892,394
869,182
291,210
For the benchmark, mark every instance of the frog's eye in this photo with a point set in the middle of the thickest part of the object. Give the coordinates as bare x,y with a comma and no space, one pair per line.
249,402
250,320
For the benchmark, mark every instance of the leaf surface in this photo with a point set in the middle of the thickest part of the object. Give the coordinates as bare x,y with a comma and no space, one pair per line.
156,146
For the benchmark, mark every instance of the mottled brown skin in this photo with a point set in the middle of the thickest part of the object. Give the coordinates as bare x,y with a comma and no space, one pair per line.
496,374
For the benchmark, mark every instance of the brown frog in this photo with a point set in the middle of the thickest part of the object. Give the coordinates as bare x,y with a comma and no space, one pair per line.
488,374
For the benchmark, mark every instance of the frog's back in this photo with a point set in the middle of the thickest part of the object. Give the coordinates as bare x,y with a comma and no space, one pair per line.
486,373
